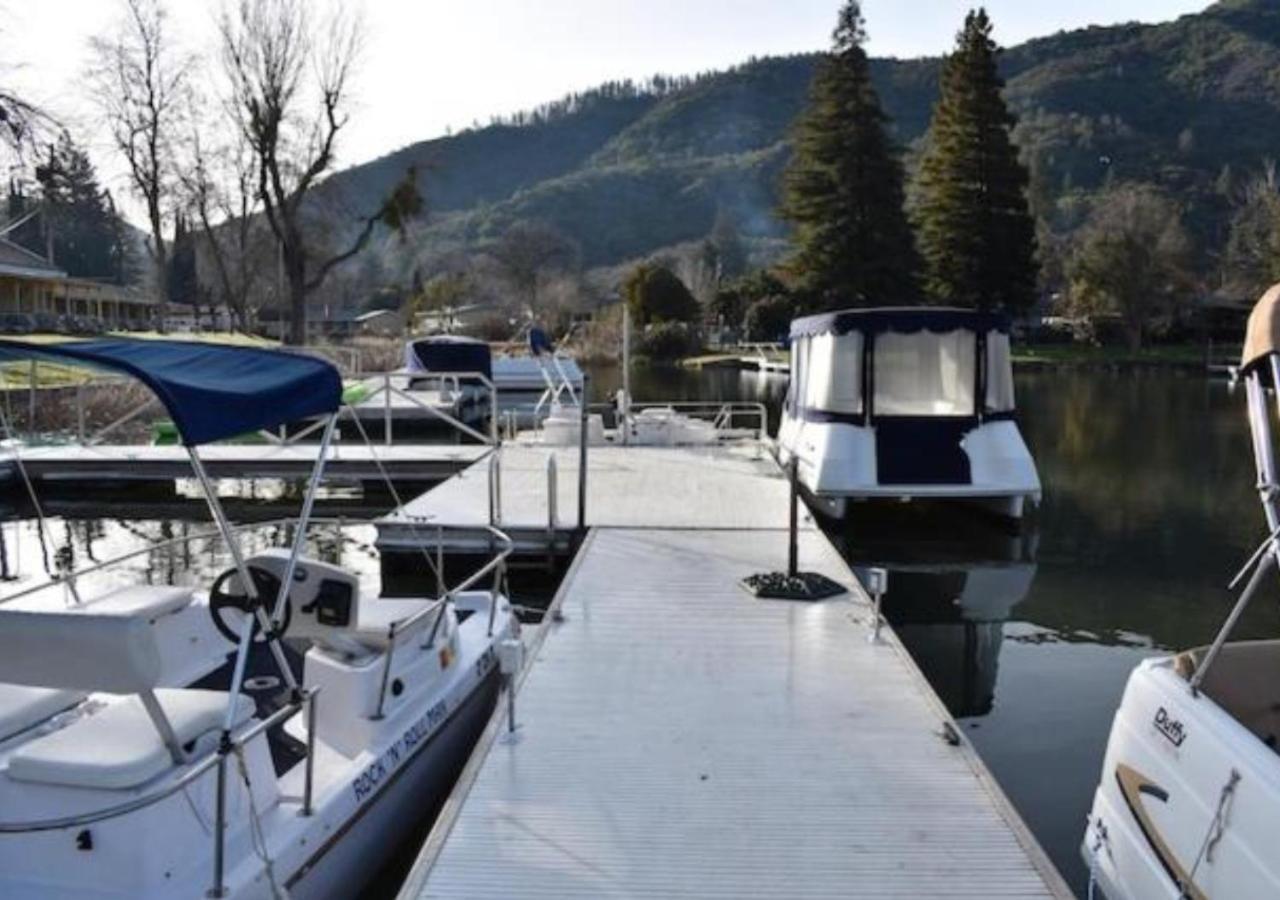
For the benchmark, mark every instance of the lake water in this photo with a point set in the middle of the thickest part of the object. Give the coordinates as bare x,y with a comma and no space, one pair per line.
1149,507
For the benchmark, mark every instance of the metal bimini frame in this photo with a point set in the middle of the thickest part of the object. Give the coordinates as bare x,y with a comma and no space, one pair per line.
1267,556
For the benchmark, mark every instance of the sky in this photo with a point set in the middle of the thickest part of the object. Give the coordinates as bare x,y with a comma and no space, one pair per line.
433,65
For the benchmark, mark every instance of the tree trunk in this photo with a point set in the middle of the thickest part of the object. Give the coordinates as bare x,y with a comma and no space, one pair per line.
297,335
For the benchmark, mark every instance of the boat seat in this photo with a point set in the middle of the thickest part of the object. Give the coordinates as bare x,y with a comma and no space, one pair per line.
147,600
328,608
22,707
374,618
1243,682
117,747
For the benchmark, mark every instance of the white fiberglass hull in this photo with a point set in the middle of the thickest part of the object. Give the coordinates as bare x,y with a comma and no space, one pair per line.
369,795
1188,804
837,462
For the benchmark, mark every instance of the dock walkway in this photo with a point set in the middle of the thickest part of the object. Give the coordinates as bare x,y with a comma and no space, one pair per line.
102,463
679,738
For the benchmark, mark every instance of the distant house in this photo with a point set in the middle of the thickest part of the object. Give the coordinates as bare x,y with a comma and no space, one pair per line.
379,322
33,286
453,318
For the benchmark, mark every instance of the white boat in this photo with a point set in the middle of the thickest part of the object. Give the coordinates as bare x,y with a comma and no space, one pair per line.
1188,804
527,388
906,403
156,744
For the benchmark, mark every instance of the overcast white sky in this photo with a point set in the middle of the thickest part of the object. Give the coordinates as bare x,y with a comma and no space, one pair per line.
435,64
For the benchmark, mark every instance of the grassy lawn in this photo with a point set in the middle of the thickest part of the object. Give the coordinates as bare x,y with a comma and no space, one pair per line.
1086,355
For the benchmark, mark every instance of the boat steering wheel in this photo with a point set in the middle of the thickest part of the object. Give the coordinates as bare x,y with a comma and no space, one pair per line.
222,598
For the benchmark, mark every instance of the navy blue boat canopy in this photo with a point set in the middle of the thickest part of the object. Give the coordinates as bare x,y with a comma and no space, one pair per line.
451,353
212,391
900,320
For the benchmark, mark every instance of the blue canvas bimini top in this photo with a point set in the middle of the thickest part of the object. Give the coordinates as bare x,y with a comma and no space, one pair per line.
212,391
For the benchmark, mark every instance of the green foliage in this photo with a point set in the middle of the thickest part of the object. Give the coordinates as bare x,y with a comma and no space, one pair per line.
843,190
669,340
90,239
181,283
769,319
732,301
1252,259
654,294
1132,261
976,231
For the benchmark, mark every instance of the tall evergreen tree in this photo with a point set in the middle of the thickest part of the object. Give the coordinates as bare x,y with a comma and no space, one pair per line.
77,220
976,230
843,188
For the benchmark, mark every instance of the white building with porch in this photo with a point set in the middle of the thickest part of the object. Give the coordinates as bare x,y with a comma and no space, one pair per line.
31,285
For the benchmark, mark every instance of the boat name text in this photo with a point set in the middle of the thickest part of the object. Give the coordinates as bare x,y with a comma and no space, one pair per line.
377,771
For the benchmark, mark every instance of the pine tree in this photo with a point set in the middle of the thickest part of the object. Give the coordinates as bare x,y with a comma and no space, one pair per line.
843,189
976,231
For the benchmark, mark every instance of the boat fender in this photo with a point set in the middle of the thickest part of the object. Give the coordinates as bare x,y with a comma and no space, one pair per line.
510,656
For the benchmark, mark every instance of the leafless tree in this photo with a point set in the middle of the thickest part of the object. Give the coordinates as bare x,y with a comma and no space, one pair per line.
290,80
220,190
528,253
138,78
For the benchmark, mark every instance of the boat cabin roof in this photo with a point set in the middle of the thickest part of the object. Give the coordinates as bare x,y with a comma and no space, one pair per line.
900,320
212,391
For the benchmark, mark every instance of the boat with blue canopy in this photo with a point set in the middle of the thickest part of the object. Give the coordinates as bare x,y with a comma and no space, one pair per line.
906,403
279,735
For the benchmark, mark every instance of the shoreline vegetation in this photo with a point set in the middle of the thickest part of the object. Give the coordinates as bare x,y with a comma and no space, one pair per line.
1188,356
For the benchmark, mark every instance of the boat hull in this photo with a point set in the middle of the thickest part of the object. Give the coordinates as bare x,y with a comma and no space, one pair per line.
1167,776
401,814
837,463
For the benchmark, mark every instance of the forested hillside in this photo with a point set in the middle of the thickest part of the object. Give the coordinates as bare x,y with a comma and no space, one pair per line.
1192,106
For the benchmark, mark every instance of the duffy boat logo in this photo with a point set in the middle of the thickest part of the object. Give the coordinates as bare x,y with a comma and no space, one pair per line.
1170,727
377,772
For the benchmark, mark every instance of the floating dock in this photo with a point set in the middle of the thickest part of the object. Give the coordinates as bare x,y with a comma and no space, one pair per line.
103,463
679,738
734,485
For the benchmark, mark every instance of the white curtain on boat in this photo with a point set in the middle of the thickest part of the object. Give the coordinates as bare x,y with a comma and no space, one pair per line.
829,373
925,374
817,378
999,373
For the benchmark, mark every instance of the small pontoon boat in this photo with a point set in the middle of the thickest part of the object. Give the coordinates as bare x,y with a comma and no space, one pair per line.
1189,801
905,403
275,737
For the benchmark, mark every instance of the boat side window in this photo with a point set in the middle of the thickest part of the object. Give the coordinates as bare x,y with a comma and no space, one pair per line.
999,373
925,374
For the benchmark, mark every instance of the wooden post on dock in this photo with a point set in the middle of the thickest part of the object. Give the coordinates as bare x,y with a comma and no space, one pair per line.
793,541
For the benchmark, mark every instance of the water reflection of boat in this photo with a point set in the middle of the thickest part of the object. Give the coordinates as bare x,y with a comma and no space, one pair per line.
951,619
156,744
1188,804
911,403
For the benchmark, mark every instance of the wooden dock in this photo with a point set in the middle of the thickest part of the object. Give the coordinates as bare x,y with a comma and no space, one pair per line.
102,464
679,738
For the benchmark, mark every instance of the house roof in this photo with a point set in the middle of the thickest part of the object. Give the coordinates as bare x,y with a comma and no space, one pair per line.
22,263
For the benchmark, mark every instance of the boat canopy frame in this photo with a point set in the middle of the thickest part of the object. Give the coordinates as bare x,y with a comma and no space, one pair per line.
873,325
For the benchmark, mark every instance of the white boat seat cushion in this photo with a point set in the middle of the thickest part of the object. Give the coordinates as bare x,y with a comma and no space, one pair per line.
374,618
22,707
149,601
118,746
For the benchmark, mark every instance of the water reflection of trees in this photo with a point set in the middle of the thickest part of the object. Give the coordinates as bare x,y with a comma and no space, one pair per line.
1149,503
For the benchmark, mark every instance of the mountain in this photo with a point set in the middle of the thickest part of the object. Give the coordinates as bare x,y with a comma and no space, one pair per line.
1192,105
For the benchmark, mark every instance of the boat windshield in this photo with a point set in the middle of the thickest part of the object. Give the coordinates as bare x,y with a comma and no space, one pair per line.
925,374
